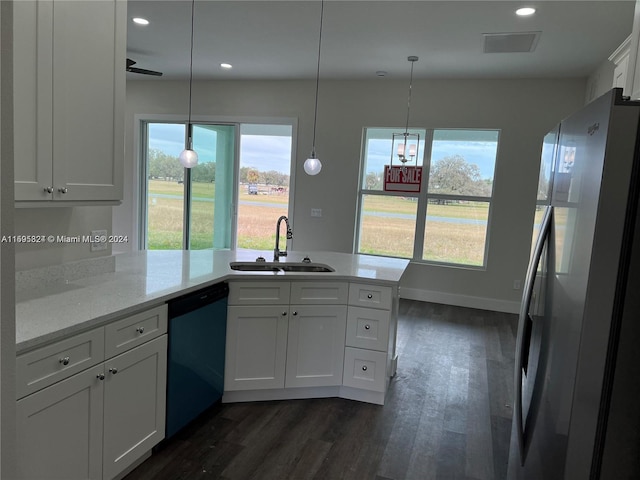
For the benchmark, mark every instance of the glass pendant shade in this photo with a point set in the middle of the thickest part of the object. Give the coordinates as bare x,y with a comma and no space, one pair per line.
188,158
312,166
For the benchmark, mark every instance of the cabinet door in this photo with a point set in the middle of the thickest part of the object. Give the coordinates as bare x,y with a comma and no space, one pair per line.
59,429
88,99
134,404
315,350
256,349
32,97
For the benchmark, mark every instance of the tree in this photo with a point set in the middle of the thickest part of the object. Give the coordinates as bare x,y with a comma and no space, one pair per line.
453,175
373,181
164,166
252,176
204,172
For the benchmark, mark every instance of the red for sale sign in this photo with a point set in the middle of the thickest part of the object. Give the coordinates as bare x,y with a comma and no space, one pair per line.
402,179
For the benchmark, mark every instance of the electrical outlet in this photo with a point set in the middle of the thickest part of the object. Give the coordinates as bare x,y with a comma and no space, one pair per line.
98,240
517,284
316,212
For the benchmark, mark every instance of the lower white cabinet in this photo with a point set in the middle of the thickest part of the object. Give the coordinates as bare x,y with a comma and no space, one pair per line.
315,347
59,429
256,351
302,339
366,369
96,423
134,404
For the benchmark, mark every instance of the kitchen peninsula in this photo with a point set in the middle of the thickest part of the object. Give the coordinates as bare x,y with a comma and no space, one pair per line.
95,340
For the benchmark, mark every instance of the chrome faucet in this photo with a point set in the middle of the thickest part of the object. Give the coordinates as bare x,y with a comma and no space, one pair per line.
276,251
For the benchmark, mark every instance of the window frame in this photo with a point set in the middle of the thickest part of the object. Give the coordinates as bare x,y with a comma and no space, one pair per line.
423,198
140,192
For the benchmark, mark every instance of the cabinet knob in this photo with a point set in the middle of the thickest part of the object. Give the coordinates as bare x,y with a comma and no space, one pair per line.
48,189
63,190
100,377
295,313
140,330
113,370
369,296
364,368
64,360
367,326
284,314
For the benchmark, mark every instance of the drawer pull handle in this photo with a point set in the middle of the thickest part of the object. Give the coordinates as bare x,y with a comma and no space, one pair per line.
367,326
140,330
369,296
113,370
364,368
100,376
64,360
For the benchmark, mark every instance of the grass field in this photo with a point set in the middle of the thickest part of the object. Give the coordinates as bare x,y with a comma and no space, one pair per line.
445,240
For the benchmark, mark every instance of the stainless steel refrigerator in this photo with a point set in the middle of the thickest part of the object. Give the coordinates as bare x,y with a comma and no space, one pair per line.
577,372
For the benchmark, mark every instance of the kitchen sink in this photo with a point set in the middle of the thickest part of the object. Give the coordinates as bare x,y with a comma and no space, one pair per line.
280,267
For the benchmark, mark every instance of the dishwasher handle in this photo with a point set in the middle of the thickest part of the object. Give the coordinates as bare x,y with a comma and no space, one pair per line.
195,300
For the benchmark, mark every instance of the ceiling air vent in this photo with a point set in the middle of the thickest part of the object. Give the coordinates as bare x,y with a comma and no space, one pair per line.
510,42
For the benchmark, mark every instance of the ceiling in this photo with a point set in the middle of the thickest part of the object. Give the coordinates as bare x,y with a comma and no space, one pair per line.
268,39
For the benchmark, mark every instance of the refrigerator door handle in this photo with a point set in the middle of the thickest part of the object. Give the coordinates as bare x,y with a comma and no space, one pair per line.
522,337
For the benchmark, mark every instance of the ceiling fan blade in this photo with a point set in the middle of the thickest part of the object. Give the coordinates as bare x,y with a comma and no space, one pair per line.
144,71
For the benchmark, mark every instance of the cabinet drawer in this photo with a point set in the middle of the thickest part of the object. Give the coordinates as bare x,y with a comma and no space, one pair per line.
364,369
319,293
259,293
123,335
52,363
368,328
372,296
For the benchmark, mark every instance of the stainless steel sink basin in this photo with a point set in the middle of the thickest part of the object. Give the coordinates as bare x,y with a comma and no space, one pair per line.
280,267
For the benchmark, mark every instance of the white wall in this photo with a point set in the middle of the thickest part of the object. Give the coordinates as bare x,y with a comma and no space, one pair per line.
600,81
523,109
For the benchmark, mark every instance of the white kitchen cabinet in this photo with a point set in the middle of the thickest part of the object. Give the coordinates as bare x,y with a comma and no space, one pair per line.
256,348
134,404
95,423
620,59
275,344
69,84
309,338
365,369
315,345
59,429
367,362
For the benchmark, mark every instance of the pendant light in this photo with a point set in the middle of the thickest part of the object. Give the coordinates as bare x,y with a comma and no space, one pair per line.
312,165
408,143
188,157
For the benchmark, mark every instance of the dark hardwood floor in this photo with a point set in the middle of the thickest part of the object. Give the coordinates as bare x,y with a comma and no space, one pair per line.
447,416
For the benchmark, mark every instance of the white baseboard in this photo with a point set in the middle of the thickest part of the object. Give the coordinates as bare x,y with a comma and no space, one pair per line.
468,301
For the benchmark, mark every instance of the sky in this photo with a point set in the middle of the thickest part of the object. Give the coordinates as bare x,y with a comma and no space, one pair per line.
273,152
259,151
483,154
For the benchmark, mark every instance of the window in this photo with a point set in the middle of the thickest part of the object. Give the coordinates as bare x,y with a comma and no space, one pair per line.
232,197
447,222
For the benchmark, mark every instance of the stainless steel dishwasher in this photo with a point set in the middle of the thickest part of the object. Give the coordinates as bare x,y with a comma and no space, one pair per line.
195,364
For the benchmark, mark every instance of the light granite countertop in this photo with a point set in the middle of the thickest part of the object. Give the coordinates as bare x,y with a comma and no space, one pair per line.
51,310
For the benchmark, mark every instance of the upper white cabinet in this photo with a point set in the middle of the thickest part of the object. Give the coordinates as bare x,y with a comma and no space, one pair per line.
69,87
620,59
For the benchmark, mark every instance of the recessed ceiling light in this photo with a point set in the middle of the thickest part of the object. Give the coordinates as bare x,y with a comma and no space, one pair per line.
525,11
141,21
226,65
